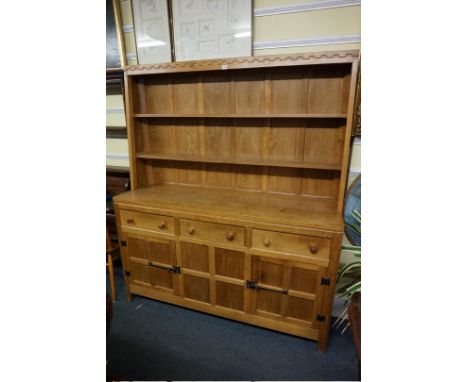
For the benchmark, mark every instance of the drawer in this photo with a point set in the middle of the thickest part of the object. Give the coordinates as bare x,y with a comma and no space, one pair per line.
221,233
310,246
148,222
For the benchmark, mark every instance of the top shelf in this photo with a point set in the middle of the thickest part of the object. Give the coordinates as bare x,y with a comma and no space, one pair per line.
142,115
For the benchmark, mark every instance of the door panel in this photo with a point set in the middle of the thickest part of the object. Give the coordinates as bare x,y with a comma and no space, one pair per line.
194,256
197,288
286,291
152,262
230,295
229,263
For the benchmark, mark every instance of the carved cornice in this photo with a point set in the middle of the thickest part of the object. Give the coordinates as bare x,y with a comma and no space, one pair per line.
246,62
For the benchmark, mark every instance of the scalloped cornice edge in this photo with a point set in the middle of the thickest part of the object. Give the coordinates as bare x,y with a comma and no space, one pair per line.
245,60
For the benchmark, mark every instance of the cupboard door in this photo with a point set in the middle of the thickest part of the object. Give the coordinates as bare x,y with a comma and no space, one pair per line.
286,291
152,263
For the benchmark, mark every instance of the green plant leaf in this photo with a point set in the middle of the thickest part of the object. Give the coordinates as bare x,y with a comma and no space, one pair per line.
350,247
353,228
347,268
356,216
356,287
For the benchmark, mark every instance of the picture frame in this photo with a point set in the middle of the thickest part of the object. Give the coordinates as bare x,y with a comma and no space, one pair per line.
205,29
152,31
115,50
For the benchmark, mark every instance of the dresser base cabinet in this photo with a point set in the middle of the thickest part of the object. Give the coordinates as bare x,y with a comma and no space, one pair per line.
277,276
238,171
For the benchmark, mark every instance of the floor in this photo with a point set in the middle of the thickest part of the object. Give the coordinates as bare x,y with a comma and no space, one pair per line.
151,340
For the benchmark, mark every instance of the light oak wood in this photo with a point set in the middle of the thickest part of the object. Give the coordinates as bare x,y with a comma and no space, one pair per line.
212,232
238,179
246,115
148,222
315,247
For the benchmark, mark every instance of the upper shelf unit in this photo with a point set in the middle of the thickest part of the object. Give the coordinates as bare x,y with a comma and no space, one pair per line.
271,124
279,92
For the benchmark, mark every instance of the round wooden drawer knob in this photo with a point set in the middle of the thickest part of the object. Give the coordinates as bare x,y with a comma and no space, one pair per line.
313,248
230,235
266,242
191,230
162,225
130,220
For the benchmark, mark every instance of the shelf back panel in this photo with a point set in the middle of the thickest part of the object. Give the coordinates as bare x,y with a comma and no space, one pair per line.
308,141
285,90
276,180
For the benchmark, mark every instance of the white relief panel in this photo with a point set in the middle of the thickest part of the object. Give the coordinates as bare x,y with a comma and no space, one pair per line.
206,29
152,31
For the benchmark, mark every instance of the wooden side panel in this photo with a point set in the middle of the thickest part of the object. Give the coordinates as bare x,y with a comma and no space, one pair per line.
216,93
161,136
288,91
248,138
284,180
319,183
157,95
249,92
323,142
218,138
325,88
187,137
249,178
286,140
186,96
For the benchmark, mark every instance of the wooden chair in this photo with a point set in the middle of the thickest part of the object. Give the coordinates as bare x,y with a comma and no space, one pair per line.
111,249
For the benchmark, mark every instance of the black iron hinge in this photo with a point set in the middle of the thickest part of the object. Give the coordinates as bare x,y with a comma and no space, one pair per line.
123,243
325,281
251,284
171,268
320,317
175,269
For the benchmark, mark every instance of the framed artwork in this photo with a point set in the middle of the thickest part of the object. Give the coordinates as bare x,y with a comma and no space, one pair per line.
206,29
115,58
357,107
152,33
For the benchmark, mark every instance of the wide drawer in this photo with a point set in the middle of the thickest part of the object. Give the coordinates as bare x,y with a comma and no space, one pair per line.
221,233
148,222
311,246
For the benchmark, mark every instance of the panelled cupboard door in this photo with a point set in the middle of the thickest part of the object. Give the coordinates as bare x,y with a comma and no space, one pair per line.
152,263
286,291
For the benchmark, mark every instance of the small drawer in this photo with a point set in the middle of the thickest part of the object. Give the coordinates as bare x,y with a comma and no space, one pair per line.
311,246
221,233
148,222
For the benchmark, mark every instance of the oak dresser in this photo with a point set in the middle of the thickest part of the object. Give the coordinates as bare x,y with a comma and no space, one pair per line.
238,171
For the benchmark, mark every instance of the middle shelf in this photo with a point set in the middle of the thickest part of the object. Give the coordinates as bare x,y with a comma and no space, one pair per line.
239,161
326,115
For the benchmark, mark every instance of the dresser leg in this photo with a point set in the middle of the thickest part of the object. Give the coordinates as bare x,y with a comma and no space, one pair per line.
129,296
322,344
127,289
